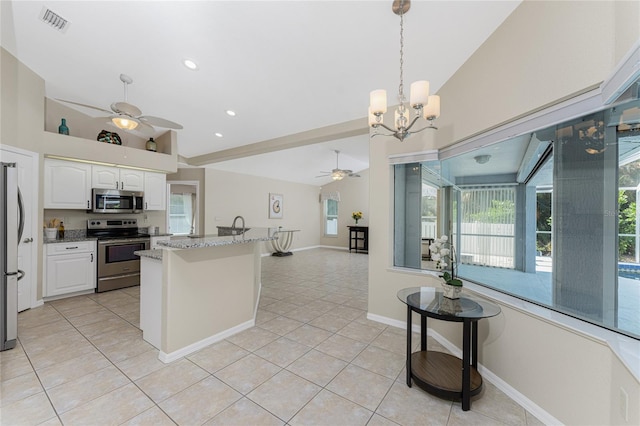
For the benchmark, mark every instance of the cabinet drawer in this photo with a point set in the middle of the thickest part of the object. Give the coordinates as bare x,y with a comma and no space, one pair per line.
67,248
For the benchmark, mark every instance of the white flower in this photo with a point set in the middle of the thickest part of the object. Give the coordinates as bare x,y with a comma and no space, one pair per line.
444,238
443,264
433,248
435,257
445,251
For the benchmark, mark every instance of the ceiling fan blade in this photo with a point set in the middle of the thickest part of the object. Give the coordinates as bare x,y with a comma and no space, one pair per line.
160,122
145,129
354,175
84,105
126,108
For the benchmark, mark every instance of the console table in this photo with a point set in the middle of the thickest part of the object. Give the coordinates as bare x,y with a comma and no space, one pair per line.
281,248
436,372
359,238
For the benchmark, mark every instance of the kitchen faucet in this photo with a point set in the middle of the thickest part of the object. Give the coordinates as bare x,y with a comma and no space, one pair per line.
234,223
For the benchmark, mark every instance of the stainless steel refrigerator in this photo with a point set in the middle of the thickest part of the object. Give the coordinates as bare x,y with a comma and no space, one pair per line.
11,225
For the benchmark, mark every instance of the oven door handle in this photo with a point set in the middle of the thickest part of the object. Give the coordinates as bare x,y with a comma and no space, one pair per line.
132,240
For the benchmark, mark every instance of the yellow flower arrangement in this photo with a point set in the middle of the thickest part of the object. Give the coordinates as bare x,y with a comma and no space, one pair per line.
356,216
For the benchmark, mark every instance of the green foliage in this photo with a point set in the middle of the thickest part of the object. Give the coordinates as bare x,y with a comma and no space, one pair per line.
626,223
448,278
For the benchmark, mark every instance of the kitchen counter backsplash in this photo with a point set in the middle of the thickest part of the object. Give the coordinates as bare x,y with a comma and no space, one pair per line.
71,235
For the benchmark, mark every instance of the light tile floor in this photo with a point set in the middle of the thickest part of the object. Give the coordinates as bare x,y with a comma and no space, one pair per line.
312,359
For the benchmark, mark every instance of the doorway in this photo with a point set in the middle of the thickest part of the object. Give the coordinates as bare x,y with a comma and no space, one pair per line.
183,209
27,163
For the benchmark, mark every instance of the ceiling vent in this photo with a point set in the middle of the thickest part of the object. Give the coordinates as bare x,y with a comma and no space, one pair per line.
56,21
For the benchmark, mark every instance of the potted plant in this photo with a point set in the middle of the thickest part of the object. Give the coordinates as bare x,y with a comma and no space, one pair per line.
443,253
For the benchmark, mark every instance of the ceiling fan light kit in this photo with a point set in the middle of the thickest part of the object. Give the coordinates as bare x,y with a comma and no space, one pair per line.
129,117
425,106
338,173
124,122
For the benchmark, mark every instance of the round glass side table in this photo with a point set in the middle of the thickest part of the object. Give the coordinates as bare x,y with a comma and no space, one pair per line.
436,372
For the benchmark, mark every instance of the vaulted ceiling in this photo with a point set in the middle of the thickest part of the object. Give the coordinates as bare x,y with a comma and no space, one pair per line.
285,67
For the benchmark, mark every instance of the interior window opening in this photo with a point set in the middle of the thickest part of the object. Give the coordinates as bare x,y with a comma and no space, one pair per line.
549,217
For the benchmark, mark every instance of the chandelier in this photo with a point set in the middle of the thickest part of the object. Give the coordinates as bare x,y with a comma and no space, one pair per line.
425,106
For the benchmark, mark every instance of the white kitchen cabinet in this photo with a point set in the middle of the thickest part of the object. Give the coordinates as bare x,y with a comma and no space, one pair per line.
67,185
106,177
155,191
69,267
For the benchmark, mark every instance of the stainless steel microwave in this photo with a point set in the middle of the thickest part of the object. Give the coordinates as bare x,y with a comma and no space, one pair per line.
114,201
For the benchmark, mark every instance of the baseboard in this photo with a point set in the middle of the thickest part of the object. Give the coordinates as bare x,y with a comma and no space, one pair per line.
309,248
37,303
334,248
187,350
509,390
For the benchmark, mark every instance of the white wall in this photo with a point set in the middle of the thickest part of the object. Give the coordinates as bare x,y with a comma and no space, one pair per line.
544,52
231,194
354,196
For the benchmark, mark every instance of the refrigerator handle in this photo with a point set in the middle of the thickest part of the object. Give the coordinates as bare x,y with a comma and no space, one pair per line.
21,210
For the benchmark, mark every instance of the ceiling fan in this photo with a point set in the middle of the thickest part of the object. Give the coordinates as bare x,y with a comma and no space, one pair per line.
338,173
129,117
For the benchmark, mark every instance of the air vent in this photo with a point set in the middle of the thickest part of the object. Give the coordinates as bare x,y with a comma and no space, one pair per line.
56,21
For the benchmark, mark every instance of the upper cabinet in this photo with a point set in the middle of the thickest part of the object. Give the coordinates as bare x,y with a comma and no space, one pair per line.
155,191
67,185
106,177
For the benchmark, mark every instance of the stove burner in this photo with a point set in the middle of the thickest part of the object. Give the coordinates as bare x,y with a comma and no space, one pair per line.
110,229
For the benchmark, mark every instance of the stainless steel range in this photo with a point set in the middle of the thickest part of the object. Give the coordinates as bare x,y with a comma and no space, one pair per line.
118,239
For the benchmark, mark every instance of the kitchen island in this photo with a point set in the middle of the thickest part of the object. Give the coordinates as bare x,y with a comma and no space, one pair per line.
197,291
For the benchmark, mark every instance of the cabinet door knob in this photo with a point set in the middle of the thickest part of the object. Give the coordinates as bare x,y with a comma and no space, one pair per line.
28,240
88,204
91,257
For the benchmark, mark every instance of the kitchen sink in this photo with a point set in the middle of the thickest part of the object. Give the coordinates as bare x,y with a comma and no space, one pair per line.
224,231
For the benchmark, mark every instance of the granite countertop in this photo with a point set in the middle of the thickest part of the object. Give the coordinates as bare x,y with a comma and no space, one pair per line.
71,239
151,254
250,236
160,234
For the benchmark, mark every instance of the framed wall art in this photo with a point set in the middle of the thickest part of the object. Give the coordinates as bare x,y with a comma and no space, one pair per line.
275,206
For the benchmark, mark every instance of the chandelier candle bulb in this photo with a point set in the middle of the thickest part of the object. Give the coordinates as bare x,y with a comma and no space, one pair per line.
432,109
372,118
419,95
378,101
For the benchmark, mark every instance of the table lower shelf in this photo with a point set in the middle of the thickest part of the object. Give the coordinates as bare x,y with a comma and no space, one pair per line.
441,374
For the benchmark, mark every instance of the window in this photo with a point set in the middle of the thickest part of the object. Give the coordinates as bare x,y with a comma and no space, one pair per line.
487,226
550,218
182,212
331,218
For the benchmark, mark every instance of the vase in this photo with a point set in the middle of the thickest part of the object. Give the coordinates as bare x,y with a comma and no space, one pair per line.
356,221
151,145
62,128
451,291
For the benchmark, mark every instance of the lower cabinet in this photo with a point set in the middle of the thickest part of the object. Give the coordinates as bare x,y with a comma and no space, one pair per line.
69,267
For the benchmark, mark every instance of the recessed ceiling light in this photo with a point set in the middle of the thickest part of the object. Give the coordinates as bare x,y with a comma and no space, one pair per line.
190,63
219,135
231,113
